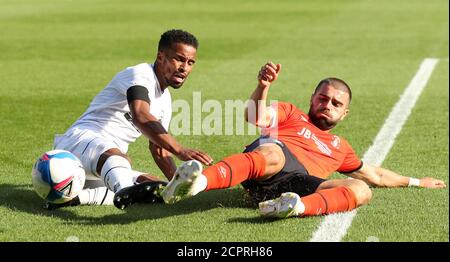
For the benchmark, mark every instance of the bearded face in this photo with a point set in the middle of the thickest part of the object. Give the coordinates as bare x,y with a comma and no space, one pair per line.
328,106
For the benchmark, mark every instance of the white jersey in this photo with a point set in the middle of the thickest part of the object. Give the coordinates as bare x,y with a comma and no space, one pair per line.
109,113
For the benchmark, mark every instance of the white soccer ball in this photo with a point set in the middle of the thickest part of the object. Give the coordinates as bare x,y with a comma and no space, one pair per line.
58,176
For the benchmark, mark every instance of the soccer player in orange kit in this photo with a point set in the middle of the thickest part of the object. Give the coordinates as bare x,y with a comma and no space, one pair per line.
285,170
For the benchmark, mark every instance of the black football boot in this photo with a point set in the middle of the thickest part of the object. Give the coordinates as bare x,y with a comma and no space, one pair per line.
145,192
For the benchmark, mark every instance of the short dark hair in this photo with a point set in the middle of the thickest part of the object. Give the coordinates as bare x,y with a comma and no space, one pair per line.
176,36
336,83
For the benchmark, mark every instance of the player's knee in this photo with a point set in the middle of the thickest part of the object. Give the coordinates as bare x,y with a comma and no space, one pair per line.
104,157
276,158
272,154
362,191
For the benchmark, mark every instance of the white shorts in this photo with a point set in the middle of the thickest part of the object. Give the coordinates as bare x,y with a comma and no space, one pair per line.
87,145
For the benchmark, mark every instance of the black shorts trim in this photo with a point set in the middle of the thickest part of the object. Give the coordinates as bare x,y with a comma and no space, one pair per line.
292,178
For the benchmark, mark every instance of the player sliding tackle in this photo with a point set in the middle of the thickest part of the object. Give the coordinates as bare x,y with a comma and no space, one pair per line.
286,169
136,102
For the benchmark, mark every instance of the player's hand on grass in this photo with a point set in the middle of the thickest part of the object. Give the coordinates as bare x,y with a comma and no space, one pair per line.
429,182
186,154
268,73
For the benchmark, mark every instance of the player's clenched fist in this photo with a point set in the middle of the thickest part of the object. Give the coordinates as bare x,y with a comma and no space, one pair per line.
268,73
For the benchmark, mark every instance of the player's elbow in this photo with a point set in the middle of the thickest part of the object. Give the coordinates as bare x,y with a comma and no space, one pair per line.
138,119
250,116
255,117
371,176
139,123
259,121
146,120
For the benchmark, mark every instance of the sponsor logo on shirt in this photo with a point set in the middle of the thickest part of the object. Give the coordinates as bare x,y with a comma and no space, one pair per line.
222,172
306,133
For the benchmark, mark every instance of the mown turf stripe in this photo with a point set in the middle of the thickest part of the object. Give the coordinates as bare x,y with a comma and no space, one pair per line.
334,227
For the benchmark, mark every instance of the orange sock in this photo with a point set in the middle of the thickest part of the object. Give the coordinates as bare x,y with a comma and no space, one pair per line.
235,169
329,201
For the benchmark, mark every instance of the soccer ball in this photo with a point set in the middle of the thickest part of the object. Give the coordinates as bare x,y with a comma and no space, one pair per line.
58,176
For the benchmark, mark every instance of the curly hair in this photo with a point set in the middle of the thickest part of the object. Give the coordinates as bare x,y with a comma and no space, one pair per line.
176,36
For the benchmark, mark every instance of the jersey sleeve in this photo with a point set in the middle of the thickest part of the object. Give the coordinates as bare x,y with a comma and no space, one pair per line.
351,161
279,113
134,76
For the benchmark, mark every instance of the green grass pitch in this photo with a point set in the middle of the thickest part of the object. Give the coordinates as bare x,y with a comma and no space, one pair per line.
56,55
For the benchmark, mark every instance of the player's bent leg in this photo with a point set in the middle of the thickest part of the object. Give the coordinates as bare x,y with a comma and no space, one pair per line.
259,164
361,191
96,194
274,159
115,170
187,181
323,202
116,173
101,157
108,153
331,197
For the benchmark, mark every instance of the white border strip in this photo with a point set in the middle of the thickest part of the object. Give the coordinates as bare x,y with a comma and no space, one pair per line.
334,227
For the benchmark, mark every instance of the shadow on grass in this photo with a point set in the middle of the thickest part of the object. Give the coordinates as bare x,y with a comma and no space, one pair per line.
23,199
252,220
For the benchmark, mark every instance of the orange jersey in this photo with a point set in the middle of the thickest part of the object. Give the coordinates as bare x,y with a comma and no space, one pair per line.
320,152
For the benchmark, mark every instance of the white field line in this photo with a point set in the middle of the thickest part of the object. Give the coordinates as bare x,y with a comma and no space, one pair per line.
334,227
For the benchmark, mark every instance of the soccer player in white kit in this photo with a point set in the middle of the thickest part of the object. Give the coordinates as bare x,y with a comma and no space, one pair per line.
137,101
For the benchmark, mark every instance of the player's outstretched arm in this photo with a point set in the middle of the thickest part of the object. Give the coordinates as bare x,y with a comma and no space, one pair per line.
255,112
381,177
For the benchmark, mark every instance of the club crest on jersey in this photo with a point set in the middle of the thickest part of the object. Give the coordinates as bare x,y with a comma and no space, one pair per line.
336,142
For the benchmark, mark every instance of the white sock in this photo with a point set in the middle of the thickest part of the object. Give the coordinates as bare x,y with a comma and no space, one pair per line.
135,175
116,173
96,196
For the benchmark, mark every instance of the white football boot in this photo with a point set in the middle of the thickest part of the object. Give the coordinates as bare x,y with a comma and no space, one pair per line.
185,183
287,205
